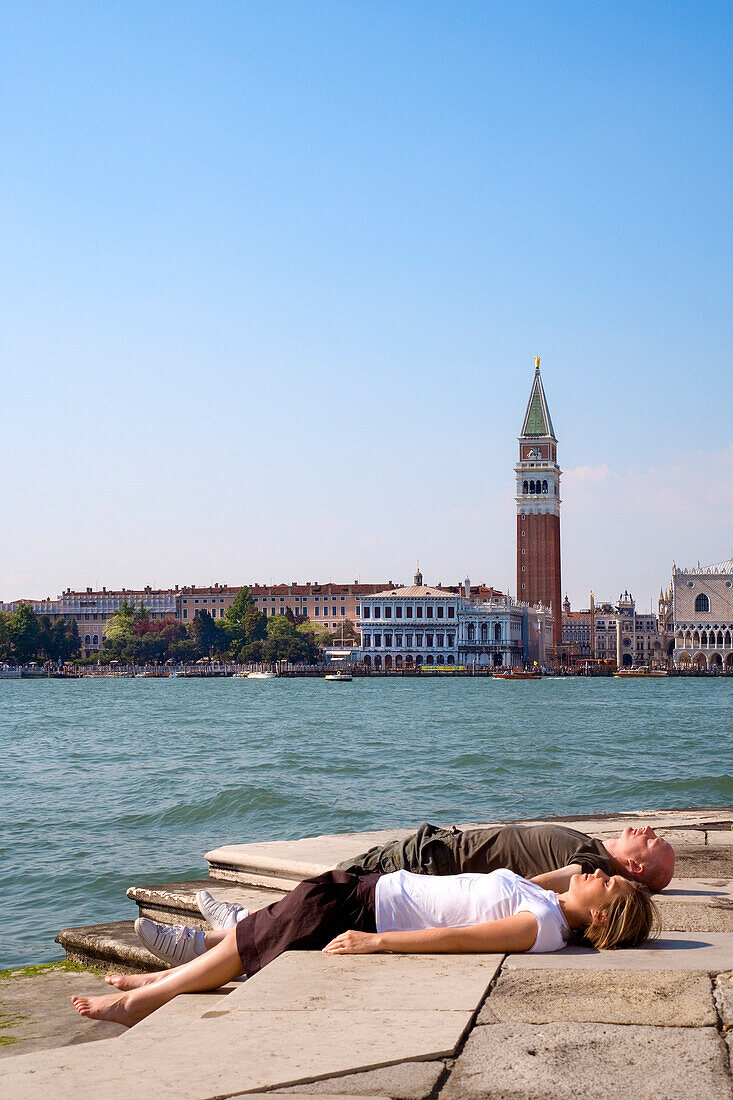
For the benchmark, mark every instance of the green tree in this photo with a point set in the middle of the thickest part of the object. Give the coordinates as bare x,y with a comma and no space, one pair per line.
206,635
244,625
118,633
6,652
285,642
24,633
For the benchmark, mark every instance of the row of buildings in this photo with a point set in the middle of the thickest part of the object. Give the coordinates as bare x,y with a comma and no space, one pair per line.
692,628
419,624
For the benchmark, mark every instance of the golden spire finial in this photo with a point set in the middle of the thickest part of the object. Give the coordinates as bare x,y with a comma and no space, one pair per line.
537,363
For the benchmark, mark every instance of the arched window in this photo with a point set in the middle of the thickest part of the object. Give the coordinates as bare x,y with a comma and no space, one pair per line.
470,631
704,638
524,487
451,659
531,486
95,640
702,603
544,486
87,639
484,632
497,632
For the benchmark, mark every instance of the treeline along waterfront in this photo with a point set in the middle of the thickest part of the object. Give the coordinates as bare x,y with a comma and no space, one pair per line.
110,782
134,636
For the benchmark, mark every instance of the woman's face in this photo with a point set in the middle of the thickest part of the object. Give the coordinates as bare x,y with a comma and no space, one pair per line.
598,890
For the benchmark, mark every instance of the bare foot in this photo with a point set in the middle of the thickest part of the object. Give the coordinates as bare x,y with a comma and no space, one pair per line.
114,1007
134,981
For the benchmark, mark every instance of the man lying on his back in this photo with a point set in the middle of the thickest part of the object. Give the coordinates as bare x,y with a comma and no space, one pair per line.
547,854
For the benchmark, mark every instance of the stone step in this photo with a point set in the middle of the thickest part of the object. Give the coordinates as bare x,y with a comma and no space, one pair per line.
113,946
175,902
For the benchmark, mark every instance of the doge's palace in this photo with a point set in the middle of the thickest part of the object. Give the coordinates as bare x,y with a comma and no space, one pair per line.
703,616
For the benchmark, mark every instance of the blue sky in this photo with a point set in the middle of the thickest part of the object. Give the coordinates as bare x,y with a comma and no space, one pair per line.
277,273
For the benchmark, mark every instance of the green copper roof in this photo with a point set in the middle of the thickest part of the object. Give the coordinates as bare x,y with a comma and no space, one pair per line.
537,418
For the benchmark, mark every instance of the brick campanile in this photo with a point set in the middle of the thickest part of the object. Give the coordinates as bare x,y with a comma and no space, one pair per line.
538,509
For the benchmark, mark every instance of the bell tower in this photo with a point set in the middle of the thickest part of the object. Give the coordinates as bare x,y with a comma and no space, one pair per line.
538,508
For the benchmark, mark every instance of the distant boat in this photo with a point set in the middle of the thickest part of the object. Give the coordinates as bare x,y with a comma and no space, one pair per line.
262,676
344,677
518,674
634,673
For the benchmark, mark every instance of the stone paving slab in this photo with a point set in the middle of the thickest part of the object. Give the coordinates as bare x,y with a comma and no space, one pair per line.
305,980
703,862
697,889
406,1081
237,1052
569,1061
659,998
36,1012
719,839
306,1016
715,917
702,951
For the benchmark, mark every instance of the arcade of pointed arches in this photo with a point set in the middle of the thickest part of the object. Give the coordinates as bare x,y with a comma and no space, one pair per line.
706,647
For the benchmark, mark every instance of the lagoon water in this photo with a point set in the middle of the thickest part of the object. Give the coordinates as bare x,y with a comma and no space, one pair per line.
110,782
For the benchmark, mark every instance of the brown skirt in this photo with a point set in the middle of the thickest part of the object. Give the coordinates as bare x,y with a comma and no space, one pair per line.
308,917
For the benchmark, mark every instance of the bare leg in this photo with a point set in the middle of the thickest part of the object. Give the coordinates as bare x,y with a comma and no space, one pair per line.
135,981
209,971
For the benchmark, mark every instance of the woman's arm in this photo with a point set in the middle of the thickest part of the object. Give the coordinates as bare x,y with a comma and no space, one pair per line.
559,880
517,933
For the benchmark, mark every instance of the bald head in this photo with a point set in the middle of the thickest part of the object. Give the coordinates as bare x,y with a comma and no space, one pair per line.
642,856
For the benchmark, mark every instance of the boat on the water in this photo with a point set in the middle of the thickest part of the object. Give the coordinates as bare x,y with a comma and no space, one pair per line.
342,677
518,674
635,673
261,675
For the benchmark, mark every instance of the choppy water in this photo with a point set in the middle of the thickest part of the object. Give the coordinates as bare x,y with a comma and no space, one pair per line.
106,783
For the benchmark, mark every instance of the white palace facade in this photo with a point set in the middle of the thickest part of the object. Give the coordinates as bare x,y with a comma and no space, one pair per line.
703,616
425,625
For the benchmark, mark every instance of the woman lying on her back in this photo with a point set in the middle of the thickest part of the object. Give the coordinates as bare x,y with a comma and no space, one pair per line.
344,914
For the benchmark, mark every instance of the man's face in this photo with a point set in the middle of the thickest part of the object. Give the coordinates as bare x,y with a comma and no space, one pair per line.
638,843
642,845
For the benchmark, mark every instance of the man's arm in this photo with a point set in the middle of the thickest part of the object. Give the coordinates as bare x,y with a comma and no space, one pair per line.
559,880
517,933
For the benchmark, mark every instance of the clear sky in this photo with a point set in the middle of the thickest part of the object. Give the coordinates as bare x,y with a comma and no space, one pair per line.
275,274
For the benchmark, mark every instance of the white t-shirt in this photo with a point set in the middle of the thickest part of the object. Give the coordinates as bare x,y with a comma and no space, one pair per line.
405,902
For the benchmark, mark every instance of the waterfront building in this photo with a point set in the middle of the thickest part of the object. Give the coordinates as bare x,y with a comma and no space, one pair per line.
538,509
326,604
702,600
92,609
620,636
430,625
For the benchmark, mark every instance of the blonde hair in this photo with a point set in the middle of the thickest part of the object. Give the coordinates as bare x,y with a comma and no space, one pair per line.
630,920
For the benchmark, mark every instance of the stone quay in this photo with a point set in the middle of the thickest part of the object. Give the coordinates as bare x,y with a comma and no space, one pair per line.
653,1022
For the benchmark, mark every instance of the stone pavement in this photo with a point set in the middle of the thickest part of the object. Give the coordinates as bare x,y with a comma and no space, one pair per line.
650,1023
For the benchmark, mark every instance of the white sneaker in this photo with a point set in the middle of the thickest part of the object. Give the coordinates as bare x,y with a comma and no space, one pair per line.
173,943
219,914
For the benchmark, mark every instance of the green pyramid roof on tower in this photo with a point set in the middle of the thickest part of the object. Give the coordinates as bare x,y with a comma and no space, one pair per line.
537,421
